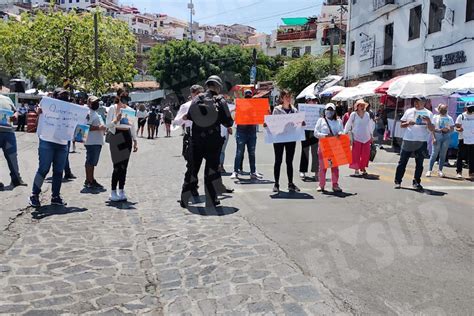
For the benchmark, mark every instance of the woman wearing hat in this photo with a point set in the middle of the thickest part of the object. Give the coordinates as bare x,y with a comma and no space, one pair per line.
328,126
361,126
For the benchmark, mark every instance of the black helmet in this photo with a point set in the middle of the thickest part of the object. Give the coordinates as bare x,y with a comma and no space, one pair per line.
215,79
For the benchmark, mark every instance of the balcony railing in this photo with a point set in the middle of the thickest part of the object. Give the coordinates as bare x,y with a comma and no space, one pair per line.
291,36
381,3
380,59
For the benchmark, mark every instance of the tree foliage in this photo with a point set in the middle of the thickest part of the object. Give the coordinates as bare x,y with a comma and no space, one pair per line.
300,73
177,65
40,44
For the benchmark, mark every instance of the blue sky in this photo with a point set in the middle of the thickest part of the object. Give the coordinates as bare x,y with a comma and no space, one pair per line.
264,15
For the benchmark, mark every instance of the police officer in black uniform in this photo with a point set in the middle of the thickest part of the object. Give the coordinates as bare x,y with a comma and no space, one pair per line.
208,111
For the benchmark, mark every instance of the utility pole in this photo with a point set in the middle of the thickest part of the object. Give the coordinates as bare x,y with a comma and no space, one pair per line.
342,10
191,9
67,36
253,70
331,52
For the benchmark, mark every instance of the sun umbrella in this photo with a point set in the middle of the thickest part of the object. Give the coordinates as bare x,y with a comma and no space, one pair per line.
382,89
331,91
6,102
326,82
309,89
462,84
363,90
416,86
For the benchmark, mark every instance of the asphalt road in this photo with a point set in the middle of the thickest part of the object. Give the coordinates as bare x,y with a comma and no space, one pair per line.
371,250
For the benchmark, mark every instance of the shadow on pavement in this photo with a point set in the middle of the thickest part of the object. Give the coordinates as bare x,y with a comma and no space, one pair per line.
426,191
366,177
341,195
122,205
50,210
253,181
309,179
93,191
212,211
292,196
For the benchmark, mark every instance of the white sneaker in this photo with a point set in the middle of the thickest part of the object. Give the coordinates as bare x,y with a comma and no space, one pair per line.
428,174
441,174
459,176
256,175
234,175
114,197
122,195
356,173
302,175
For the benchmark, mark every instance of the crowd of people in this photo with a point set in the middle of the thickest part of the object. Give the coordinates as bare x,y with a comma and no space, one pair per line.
208,125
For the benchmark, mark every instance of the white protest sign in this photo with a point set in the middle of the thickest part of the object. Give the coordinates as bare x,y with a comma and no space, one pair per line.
59,119
312,114
468,133
284,128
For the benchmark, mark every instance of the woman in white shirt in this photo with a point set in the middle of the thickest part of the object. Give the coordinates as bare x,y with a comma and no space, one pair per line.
121,136
361,126
142,114
444,126
328,126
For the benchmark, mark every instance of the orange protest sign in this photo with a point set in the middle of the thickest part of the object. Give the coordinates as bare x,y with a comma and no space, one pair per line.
336,151
251,111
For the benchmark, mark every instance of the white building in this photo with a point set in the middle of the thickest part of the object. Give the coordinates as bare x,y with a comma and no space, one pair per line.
388,38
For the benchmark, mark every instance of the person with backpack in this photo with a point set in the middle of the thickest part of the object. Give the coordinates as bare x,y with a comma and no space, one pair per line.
465,126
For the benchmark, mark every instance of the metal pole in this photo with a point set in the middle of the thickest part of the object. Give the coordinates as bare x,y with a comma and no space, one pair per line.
96,45
191,8
331,53
394,123
67,57
340,28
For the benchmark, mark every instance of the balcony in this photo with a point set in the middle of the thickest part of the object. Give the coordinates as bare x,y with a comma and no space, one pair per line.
380,62
384,5
298,35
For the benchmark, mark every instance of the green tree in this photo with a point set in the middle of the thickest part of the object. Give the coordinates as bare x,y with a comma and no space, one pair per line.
179,64
12,49
41,43
301,72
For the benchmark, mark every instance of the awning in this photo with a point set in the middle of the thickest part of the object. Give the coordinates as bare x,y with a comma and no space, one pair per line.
295,21
146,96
261,94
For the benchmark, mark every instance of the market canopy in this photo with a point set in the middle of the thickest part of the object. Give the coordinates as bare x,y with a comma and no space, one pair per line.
295,21
319,86
386,85
417,85
363,90
462,84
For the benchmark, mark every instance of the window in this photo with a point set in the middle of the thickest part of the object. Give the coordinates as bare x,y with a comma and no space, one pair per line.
70,1
295,52
353,44
307,50
437,10
469,10
415,22
284,51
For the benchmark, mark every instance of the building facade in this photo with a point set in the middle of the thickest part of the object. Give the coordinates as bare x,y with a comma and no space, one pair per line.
388,38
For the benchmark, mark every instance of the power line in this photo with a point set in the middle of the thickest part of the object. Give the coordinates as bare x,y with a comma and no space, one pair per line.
281,13
238,8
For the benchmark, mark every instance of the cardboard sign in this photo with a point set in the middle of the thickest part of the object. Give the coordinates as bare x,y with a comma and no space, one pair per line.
284,128
336,151
312,114
251,111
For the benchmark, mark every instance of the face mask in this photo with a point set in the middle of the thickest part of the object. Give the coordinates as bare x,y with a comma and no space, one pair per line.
443,112
470,109
330,114
94,106
124,100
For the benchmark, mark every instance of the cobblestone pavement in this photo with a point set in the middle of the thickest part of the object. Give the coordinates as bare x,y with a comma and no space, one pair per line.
148,256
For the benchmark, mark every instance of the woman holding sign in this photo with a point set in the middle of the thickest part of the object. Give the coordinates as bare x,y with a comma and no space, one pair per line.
361,126
444,126
284,108
121,136
328,126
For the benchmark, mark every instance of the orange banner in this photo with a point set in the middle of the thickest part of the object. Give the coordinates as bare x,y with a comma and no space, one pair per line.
336,151
251,111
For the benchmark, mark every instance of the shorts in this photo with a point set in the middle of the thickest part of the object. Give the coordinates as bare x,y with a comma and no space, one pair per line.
167,121
93,155
141,122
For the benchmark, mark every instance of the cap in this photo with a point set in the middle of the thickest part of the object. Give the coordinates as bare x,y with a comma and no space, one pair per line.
215,79
360,101
421,98
470,104
330,106
92,99
311,96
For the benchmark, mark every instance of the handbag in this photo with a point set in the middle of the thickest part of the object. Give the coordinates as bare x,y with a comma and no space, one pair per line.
108,137
373,152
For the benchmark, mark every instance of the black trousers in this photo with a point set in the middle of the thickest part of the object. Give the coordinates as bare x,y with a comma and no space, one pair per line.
120,150
419,149
310,142
207,148
290,154
465,152
21,123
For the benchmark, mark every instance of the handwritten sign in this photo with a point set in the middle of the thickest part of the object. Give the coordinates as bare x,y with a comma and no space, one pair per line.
312,114
251,111
5,116
59,119
284,128
336,151
367,48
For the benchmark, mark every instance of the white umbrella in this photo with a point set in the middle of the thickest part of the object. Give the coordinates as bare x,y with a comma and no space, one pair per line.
326,82
309,89
462,84
329,92
416,86
363,90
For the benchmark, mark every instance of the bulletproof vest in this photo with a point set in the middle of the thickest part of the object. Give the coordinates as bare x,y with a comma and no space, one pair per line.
208,112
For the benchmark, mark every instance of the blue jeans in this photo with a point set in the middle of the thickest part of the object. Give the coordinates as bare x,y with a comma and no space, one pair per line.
8,145
440,148
50,154
249,139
